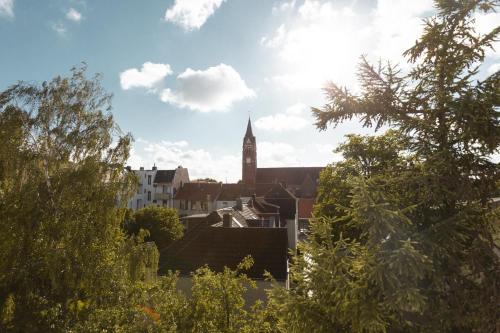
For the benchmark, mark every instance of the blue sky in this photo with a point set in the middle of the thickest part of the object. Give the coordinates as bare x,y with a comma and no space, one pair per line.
186,74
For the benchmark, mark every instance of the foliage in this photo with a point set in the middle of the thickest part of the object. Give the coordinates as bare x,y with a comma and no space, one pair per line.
403,241
65,264
61,165
162,224
205,180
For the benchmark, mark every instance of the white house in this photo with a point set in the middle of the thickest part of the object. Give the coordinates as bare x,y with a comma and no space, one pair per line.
157,187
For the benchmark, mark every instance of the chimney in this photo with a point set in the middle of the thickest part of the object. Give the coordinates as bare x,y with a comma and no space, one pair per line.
227,220
239,204
141,168
129,168
154,166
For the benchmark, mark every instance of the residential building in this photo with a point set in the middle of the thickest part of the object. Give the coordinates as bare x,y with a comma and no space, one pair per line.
157,187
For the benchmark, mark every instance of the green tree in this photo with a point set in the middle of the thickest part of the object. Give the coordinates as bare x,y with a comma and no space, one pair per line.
162,223
205,180
61,172
403,240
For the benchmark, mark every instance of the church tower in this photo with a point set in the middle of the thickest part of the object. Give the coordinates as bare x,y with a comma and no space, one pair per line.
249,153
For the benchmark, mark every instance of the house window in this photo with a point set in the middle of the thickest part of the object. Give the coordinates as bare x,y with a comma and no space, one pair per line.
149,195
204,205
149,179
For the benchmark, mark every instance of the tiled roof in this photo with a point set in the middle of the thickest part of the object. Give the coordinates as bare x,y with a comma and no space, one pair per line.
219,247
305,208
289,176
198,191
231,192
164,176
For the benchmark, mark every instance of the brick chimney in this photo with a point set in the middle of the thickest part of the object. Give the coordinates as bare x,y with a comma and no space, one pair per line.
227,220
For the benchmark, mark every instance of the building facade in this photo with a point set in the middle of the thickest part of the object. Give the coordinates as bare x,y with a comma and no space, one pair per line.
157,187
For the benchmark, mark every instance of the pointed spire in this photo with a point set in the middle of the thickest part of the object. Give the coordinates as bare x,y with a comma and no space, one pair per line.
249,129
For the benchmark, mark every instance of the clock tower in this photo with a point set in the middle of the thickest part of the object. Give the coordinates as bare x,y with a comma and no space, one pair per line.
249,153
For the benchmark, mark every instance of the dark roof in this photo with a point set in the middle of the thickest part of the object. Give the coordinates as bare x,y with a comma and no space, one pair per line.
219,247
231,192
164,176
198,191
289,176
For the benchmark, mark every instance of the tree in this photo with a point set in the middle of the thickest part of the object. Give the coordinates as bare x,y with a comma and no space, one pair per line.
61,163
162,223
205,180
404,241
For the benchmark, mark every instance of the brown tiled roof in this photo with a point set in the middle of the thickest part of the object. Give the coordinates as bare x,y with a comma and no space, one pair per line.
305,208
219,247
289,176
164,176
198,191
231,192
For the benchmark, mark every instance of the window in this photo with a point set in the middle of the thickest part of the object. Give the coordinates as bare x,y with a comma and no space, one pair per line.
204,205
149,179
149,195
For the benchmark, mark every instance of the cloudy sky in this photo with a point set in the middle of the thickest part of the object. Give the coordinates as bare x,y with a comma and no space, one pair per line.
186,74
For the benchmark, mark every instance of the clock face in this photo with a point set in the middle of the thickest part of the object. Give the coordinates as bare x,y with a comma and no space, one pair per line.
249,160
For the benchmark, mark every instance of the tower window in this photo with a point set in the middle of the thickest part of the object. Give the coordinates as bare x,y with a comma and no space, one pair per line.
149,179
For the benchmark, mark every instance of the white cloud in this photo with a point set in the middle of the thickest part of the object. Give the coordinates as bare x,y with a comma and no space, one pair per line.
493,68
200,162
294,118
213,89
276,154
203,163
283,6
59,28
73,15
276,40
7,8
192,14
322,41
485,23
147,77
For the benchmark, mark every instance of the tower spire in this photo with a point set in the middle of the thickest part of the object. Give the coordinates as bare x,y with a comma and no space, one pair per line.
249,129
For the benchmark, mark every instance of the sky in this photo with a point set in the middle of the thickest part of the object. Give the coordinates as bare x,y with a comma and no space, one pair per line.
186,74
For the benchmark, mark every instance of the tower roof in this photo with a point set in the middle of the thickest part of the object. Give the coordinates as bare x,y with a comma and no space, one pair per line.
249,129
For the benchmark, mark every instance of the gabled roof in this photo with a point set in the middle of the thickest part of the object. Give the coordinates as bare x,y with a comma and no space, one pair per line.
289,176
219,247
198,191
164,176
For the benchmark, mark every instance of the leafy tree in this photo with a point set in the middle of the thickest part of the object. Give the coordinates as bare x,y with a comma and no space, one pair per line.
162,223
405,243
205,180
61,163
